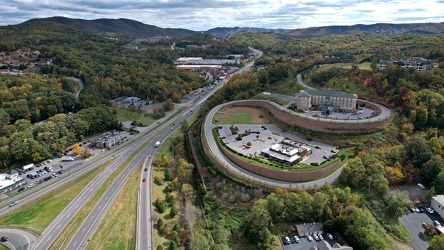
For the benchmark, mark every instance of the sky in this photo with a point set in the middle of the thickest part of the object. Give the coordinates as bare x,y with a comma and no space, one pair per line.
201,15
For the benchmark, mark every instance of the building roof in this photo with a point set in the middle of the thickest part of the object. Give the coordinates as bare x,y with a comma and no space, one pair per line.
439,199
11,172
330,93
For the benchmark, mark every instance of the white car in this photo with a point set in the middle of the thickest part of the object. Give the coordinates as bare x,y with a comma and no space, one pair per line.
329,236
315,236
309,238
296,239
320,237
430,210
420,186
288,240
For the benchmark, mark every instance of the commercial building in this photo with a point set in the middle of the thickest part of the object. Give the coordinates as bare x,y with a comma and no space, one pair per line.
417,63
110,139
326,100
437,204
288,152
9,181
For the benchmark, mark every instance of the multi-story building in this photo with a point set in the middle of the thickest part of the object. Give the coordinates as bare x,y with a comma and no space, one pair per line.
328,100
417,63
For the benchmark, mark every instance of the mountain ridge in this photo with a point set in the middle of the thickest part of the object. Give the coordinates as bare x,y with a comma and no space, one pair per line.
138,29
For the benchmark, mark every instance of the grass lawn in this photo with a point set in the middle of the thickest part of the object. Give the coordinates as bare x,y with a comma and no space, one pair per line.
3,247
119,229
238,118
362,66
38,214
124,115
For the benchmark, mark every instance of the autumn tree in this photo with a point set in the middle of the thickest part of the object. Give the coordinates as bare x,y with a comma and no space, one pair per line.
76,149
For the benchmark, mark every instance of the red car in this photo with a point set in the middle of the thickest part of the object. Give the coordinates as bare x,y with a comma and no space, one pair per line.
144,180
4,238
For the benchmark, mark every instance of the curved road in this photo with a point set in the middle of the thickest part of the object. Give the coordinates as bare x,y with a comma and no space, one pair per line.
245,174
81,86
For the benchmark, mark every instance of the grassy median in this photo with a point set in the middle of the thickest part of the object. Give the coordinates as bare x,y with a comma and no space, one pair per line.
38,214
118,229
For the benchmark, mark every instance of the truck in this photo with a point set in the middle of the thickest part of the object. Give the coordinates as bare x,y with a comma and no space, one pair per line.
157,144
28,167
67,158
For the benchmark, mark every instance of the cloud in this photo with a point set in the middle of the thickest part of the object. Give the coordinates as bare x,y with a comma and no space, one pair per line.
206,14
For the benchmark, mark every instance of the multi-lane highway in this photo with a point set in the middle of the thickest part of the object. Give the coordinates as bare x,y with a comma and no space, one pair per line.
119,155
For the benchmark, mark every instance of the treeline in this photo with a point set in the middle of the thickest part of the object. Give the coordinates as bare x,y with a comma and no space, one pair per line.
340,209
346,48
24,142
35,98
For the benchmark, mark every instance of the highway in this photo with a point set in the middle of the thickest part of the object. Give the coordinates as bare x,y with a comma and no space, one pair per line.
145,222
87,229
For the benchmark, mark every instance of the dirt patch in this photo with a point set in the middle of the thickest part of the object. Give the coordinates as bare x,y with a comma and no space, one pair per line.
257,115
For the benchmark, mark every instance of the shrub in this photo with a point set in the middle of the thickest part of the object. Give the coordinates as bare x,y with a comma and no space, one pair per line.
158,180
173,211
168,174
160,205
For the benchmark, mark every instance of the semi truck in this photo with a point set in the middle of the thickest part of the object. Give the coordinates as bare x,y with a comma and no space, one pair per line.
157,144
28,167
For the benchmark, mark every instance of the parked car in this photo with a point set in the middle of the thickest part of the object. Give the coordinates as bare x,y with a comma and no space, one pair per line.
296,239
416,209
436,223
320,237
329,236
21,189
309,238
284,241
430,210
315,236
4,238
420,186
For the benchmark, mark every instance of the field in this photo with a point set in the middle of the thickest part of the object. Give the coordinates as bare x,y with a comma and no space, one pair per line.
362,66
240,115
38,214
117,232
141,117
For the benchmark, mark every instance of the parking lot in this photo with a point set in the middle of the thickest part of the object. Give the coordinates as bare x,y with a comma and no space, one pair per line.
273,135
413,220
305,244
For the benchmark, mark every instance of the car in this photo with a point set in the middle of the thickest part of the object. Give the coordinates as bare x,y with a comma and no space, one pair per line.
61,172
21,189
4,238
315,236
292,239
49,161
309,238
144,180
420,186
436,223
13,204
284,240
329,236
421,210
430,210
146,169
320,237
288,240
333,151
412,209
172,128
416,209
296,239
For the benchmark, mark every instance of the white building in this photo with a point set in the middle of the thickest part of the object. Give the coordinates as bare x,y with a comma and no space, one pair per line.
438,204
